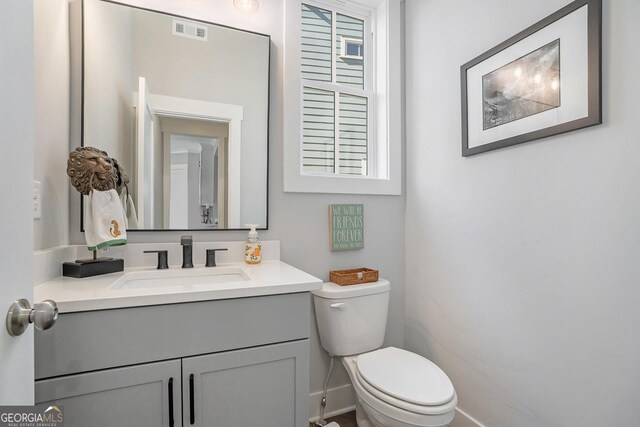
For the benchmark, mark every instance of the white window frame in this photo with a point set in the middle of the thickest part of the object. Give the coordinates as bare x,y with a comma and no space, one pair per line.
385,120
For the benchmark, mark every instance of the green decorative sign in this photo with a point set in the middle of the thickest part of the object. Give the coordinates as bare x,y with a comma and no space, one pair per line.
346,227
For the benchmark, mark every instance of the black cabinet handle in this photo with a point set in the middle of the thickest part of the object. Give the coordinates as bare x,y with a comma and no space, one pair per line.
171,420
192,409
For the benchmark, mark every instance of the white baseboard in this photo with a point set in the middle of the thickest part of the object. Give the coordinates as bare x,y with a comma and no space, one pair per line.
340,400
462,419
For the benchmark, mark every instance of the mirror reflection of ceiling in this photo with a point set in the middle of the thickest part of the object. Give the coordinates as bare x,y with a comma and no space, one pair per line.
144,72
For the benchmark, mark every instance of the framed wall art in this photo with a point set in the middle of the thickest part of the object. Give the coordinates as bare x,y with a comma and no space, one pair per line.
541,82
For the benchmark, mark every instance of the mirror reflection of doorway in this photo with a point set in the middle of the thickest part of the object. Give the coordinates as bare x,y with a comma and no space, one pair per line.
188,118
178,206
196,173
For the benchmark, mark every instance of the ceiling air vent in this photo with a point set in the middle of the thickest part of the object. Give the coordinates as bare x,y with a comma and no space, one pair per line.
189,30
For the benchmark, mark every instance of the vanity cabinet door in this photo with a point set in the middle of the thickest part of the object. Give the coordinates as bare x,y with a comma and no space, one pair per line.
142,395
263,386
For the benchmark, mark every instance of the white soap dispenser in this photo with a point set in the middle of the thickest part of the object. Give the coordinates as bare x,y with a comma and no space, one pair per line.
253,247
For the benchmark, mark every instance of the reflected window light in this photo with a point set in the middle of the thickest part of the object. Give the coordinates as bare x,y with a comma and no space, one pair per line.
555,84
247,6
537,78
518,72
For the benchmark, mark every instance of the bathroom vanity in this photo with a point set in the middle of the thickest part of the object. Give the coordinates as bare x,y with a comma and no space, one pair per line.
234,355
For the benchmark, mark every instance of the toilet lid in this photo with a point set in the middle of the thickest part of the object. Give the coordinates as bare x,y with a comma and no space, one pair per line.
405,376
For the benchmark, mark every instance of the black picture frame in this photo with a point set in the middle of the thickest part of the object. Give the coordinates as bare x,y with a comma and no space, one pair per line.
476,140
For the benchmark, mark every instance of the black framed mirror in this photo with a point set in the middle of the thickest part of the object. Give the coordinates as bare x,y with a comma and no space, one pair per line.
183,105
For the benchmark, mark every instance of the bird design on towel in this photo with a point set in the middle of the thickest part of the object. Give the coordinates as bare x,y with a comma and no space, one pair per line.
115,230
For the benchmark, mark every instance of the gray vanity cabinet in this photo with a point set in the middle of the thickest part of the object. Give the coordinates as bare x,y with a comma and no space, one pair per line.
251,387
226,363
141,396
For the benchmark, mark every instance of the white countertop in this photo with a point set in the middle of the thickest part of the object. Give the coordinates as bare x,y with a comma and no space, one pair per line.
99,292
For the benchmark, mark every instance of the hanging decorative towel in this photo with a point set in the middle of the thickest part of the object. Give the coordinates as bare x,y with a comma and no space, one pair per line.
104,220
129,209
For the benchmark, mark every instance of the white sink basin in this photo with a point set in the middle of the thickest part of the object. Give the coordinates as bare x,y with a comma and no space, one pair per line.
186,279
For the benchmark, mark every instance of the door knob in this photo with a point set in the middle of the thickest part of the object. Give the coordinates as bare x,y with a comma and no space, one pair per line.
43,315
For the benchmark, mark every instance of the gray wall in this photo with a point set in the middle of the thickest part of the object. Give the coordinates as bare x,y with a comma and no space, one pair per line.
299,221
521,263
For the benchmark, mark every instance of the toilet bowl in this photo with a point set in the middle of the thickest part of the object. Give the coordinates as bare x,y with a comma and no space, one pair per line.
393,387
411,401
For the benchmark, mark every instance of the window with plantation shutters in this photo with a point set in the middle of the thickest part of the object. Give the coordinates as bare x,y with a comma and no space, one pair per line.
342,94
336,92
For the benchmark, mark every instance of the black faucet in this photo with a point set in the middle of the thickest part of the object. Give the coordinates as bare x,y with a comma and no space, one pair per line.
211,257
187,251
162,258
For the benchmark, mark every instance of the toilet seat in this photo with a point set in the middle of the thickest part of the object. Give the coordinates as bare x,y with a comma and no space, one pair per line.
405,380
415,415
418,409
405,376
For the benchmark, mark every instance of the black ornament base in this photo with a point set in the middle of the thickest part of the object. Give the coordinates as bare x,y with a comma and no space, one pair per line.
82,270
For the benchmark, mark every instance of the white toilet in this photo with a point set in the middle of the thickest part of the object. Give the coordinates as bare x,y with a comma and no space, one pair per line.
394,387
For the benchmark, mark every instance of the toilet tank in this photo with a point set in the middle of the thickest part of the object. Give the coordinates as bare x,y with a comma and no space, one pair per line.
352,319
